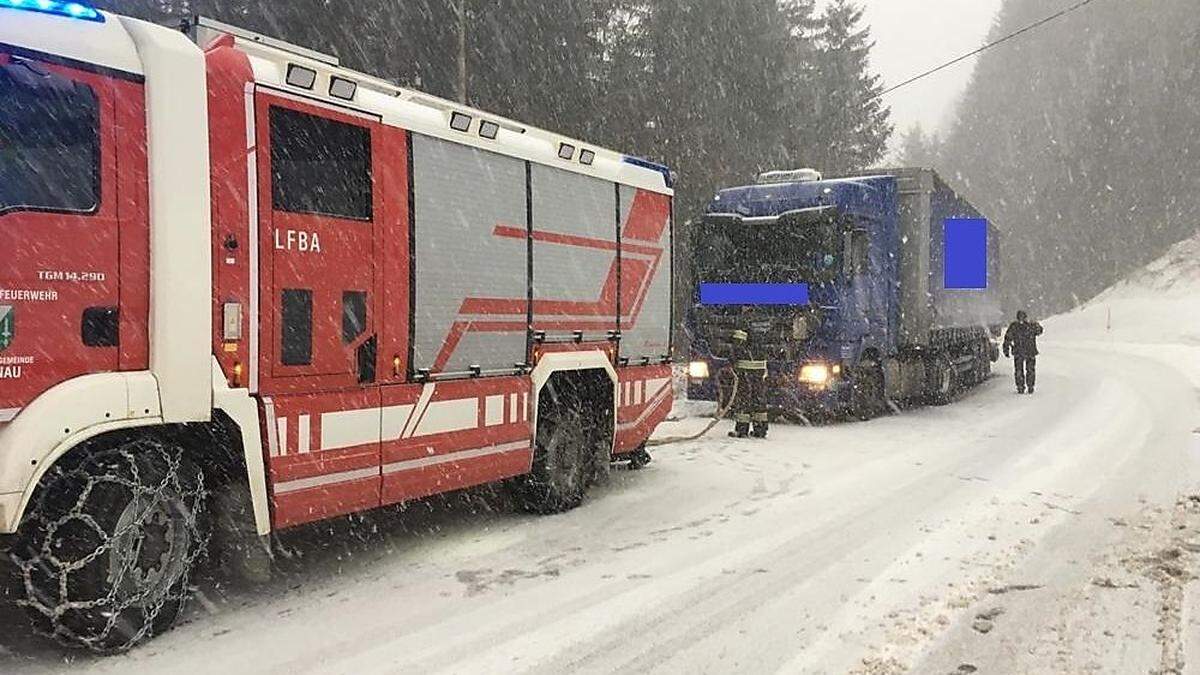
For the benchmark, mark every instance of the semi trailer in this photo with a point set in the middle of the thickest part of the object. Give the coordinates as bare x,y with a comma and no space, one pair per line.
857,291
245,288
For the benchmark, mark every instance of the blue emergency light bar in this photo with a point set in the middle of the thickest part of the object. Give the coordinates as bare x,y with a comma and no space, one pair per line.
73,10
653,166
754,294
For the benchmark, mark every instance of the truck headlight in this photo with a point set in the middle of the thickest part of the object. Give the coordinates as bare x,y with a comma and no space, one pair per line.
698,370
817,374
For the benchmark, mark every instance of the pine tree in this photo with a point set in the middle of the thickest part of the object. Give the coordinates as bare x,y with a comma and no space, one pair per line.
715,95
802,70
536,61
918,149
1082,140
850,116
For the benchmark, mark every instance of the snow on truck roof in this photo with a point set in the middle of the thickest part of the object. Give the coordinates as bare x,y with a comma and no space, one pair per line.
862,193
75,33
852,196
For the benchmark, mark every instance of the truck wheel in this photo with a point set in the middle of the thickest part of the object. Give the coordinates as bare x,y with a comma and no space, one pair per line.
560,462
866,400
939,380
639,459
985,361
108,545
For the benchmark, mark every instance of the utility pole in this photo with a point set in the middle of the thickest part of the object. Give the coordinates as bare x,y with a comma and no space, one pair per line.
461,10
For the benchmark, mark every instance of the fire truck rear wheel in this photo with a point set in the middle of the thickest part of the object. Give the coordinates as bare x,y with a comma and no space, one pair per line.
108,545
561,462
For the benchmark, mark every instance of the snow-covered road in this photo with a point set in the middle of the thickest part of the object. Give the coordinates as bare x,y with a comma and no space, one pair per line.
1006,533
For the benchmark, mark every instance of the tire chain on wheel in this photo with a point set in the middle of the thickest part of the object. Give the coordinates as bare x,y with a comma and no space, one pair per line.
36,555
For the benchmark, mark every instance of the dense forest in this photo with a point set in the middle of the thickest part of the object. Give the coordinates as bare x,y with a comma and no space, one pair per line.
1082,140
716,89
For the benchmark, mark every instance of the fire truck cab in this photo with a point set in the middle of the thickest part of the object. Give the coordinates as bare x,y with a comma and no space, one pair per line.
242,280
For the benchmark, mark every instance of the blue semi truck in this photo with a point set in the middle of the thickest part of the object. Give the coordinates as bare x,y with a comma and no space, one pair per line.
857,291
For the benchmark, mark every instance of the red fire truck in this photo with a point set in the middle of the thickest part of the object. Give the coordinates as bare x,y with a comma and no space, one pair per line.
235,272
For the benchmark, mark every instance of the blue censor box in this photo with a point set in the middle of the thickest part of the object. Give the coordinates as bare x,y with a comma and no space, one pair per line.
753,294
966,254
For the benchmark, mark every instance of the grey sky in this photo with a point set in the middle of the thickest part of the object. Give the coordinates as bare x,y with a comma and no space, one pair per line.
915,35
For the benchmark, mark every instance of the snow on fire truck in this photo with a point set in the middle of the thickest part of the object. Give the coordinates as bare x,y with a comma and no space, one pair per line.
236,274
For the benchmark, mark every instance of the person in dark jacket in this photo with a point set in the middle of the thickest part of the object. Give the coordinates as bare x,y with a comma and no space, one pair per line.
1020,342
750,406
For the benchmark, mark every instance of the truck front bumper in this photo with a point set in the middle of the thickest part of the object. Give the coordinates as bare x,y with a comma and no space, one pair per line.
10,505
784,391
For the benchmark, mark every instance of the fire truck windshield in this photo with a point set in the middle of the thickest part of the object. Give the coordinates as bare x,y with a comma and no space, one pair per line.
49,141
767,253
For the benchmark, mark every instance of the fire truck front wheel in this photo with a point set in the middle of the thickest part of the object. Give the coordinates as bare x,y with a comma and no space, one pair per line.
109,543
561,463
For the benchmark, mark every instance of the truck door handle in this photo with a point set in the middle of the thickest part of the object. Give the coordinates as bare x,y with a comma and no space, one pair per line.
366,355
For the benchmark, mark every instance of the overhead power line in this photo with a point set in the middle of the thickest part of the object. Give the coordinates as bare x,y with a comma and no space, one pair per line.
984,48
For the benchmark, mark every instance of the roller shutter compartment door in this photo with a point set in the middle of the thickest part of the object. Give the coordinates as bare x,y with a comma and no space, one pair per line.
645,275
574,254
471,262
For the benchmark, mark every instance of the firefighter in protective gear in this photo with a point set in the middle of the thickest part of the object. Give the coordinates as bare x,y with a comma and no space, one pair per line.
750,408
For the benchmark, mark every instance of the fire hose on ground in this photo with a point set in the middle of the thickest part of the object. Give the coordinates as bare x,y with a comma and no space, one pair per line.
720,414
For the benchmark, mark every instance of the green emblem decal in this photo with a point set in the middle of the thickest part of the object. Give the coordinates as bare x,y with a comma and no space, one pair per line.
8,326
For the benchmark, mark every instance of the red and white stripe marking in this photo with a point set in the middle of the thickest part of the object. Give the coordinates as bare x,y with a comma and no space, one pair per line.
457,456
425,417
652,392
323,480
366,426
638,392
